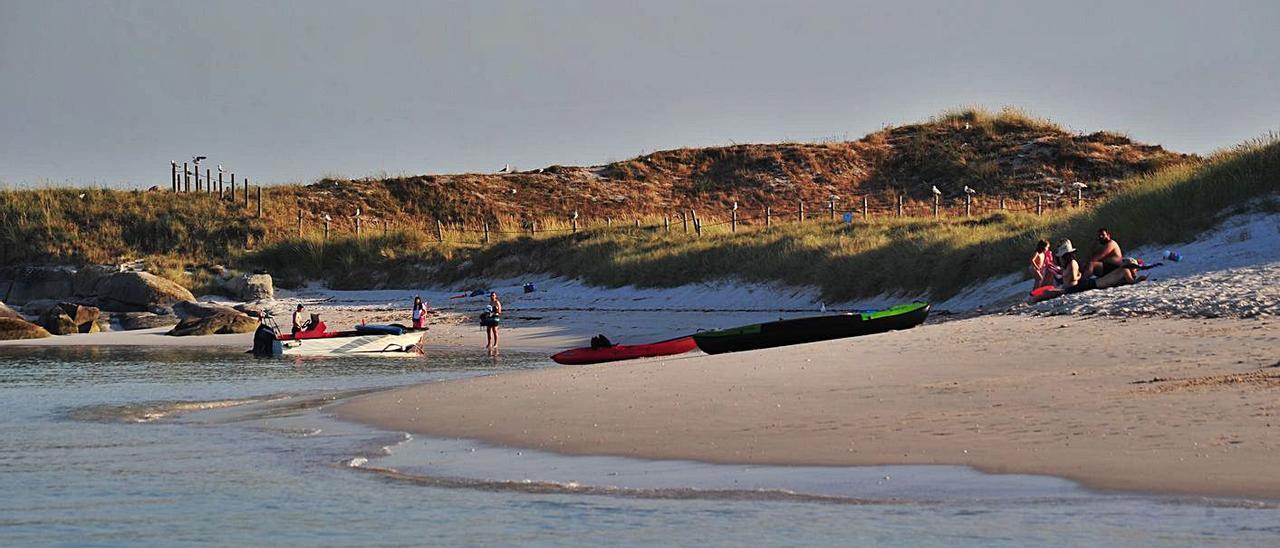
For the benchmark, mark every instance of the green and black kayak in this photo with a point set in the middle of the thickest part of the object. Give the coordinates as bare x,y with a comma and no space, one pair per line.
812,329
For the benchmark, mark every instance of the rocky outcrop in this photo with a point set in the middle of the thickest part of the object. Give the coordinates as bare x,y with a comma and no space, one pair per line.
130,321
31,283
251,287
6,312
69,318
220,323
16,328
86,280
190,309
139,292
38,307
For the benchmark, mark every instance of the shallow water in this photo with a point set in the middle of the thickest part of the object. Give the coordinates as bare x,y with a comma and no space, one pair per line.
172,446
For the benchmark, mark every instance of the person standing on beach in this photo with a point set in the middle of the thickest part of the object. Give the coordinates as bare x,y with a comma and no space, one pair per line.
1107,257
490,319
419,312
1043,267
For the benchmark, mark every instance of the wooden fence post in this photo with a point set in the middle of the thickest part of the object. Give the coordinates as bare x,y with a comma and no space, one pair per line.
299,222
219,182
259,201
684,220
831,206
246,192
936,199
1039,205
357,216
968,205
865,209
899,205
766,217
800,210
208,180
232,195
533,228
637,222
385,222
186,177
666,222
697,225
608,222
173,176
1079,197
574,220
733,218
486,232
439,231
326,227
1002,203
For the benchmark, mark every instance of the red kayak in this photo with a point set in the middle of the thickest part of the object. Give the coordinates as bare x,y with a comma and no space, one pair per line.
585,355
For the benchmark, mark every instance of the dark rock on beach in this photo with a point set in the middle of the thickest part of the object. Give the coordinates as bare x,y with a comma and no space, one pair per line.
138,292
17,328
69,318
130,321
217,324
31,283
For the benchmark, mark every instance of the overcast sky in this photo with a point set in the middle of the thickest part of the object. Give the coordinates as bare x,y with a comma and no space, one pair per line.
109,92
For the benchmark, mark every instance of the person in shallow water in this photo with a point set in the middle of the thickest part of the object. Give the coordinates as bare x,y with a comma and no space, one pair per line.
419,312
490,319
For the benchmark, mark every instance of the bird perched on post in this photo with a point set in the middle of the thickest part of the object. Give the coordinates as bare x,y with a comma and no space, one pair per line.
506,168
220,170
1079,185
968,190
937,192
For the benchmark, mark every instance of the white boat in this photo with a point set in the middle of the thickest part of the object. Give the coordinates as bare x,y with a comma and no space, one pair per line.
364,340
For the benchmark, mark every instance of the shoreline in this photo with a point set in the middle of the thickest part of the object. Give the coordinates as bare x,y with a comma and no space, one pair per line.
1174,406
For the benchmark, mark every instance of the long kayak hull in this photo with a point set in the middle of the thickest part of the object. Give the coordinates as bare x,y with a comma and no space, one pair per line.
811,329
586,355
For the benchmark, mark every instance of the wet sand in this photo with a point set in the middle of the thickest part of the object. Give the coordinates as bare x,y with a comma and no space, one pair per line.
1151,404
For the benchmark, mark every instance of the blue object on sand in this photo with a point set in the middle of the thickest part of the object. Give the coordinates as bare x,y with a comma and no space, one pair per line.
379,330
528,288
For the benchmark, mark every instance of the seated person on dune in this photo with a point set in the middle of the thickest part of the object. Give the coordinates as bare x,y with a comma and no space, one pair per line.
1106,257
1074,281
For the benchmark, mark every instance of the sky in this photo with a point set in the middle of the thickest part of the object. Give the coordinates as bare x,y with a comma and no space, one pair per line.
107,93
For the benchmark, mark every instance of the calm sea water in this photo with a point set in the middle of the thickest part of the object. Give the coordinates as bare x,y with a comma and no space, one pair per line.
166,446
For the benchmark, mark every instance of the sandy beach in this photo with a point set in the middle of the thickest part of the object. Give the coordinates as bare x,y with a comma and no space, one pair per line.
1162,405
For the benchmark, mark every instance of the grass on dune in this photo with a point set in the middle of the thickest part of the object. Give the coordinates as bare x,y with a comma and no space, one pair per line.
884,255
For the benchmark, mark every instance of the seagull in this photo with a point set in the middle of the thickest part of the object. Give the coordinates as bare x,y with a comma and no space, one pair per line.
81,195
1062,190
198,158
937,192
506,168
220,170
968,190
1079,184
327,217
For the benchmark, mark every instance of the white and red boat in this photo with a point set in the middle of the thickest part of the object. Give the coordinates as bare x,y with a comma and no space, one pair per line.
388,340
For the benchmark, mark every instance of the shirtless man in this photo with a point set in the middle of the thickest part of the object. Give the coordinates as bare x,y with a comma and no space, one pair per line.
1107,257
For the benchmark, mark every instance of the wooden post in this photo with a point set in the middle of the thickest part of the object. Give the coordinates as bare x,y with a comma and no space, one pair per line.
574,220
637,222
246,192
968,205
299,222
1039,205
357,216
1002,203
936,199
831,206
326,227
232,195
608,222
766,217
684,220
865,209
259,201
899,205
697,225
733,218
173,176
666,222
800,210
1079,197
186,177
486,232
219,182
208,180
439,231
533,228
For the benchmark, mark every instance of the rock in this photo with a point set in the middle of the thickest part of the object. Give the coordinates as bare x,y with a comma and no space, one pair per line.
12,329
40,282
217,324
138,291
190,309
69,318
6,312
130,321
85,282
252,310
251,287
39,307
